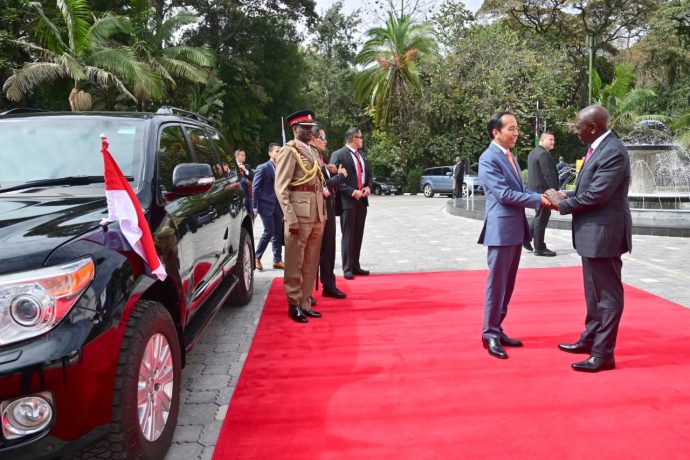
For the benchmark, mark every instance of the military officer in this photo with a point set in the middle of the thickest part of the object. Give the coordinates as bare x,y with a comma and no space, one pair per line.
299,186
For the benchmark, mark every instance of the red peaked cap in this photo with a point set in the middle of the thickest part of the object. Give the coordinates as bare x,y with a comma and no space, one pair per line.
302,117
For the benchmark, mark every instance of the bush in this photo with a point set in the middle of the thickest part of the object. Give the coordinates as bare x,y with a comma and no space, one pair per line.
412,181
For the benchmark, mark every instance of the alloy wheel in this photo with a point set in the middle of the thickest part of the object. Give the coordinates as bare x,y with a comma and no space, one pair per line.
155,387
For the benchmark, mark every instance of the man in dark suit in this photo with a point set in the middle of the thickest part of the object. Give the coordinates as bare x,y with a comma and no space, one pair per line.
246,177
602,232
353,197
541,176
334,178
265,203
505,227
458,177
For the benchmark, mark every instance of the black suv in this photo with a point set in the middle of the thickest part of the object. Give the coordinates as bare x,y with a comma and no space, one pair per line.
90,346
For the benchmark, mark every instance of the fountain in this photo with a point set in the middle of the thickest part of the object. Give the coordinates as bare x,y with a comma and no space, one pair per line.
659,193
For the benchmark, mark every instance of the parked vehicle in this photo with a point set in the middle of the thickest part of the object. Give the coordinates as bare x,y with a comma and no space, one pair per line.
440,180
91,348
384,186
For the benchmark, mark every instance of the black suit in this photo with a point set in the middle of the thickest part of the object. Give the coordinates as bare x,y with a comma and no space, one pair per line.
353,213
327,258
459,176
541,176
602,232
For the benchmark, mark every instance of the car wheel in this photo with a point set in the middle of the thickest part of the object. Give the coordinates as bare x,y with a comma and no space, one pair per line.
377,190
146,390
428,191
244,289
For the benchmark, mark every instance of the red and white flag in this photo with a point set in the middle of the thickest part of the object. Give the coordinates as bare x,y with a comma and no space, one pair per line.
124,208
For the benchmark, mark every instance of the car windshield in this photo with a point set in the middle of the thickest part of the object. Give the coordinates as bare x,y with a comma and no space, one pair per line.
40,148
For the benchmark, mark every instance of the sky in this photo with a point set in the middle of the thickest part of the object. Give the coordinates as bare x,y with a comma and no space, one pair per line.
350,5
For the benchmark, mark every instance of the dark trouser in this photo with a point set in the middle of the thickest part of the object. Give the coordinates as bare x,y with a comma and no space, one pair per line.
538,227
352,227
273,231
327,258
604,298
503,263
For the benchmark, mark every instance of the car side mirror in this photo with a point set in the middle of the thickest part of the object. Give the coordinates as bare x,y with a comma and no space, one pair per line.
449,174
192,178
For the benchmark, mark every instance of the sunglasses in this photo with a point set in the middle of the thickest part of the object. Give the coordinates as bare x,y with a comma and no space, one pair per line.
323,138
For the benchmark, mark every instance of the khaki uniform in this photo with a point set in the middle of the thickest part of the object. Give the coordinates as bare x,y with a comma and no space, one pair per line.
306,208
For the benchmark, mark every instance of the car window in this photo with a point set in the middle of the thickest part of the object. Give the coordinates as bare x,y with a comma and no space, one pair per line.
172,151
202,148
438,171
227,164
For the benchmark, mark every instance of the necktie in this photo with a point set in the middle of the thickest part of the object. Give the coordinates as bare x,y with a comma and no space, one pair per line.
512,163
359,171
588,156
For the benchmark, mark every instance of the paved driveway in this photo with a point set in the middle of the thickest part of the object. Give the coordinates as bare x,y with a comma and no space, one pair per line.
403,234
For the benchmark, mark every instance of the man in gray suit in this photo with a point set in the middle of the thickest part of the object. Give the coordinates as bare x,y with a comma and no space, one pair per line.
541,176
505,227
602,232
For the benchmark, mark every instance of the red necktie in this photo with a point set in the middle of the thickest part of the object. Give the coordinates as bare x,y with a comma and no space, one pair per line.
588,156
359,171
512,162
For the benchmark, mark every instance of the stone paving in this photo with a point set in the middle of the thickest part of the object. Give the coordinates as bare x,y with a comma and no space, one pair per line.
403,234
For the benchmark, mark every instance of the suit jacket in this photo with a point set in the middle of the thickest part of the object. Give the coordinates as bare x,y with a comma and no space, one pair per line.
541,170
298,206
333,183
459,173
343,157
505,223
264,196
602,223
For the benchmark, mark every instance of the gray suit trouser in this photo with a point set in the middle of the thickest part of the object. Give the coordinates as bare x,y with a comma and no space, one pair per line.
604,298
503,263
538,227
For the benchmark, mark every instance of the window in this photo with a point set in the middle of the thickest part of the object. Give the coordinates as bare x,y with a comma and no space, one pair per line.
227,164
172,151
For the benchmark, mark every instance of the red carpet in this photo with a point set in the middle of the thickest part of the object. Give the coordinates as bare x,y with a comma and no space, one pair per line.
397,371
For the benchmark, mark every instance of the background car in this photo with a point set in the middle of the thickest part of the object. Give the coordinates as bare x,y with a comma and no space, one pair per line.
439,179
384,186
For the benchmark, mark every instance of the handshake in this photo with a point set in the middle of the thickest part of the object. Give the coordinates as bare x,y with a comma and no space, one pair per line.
552,199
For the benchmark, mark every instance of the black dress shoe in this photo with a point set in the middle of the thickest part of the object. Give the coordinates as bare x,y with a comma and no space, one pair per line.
312,301
527,245
544,253
508,342
335,293
594,364
348,276
296,313
578,347
495,348
360,272
311,313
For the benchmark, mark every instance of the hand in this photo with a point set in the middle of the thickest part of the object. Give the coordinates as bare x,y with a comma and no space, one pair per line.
342,170
553,197
333,169
357,195
366,191
326,192
294,229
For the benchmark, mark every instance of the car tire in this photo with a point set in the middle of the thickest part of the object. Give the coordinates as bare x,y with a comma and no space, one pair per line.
244,289
377,190
150,326
428,191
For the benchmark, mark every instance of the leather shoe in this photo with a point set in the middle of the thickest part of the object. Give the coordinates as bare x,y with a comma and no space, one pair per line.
279,265
495,348
335,293
258,265
577,347
594,364
312,313
544,253
348,276
508,342
312,301
296,313
360,272
527,245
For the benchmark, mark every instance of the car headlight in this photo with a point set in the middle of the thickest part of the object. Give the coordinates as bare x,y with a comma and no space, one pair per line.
34,302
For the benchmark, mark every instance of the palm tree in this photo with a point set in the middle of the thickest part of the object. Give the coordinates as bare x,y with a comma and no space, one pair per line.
390,73
81,51
155,35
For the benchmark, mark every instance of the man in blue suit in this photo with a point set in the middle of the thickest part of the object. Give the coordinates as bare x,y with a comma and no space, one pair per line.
505,227
265,203
602,232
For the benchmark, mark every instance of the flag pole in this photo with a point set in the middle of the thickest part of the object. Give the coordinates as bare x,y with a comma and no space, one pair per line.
282,128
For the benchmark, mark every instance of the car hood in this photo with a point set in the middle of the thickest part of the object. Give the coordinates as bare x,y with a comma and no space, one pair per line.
31,226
